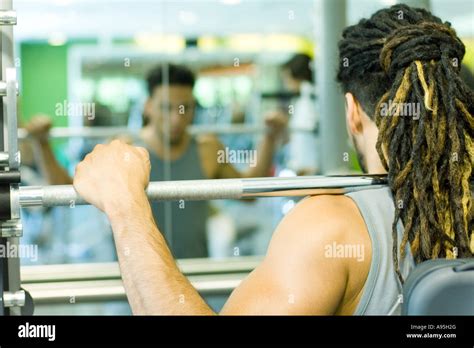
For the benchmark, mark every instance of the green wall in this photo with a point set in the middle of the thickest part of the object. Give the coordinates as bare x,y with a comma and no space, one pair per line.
44,80
43,84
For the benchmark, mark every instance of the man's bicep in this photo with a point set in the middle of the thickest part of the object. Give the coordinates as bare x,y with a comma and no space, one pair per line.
296,277
214,160
285,291
228,171
225,168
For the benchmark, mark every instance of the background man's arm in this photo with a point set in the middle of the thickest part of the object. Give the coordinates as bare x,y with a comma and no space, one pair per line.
53,172
210,147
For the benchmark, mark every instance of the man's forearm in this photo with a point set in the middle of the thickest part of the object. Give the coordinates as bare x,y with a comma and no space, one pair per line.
49,166
153,281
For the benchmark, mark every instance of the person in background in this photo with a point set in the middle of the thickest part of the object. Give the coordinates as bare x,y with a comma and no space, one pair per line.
176,155
298,77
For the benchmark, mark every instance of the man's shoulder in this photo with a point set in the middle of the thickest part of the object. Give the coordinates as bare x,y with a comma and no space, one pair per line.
323,219
335,210
305,249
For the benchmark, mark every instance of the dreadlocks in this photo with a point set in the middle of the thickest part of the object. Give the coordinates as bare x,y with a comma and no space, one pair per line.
406,55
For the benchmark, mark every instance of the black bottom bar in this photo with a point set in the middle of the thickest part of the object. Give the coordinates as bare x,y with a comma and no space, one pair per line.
222,331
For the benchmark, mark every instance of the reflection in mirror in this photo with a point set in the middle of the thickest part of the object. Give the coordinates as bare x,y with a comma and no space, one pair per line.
207,99
212,89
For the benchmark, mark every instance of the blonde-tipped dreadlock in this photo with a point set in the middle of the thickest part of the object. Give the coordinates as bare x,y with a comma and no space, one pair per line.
406,56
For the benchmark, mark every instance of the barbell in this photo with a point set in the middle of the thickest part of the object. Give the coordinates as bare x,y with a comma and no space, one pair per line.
192,190
108,132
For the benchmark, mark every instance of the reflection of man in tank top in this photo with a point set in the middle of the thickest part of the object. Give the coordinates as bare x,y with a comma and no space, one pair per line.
168,111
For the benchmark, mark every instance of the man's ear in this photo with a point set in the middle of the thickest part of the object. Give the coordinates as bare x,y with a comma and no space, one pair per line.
353,114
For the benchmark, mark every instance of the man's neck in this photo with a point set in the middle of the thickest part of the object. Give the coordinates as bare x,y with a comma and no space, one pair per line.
157,144
374,165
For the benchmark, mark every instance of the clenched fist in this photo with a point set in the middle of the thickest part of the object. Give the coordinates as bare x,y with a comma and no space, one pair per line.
38,127
276,123
113,177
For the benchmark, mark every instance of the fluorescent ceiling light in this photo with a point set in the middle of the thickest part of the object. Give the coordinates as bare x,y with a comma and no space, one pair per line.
230,2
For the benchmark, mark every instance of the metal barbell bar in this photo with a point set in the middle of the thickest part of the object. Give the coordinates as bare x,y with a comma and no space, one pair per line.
65,195
107,132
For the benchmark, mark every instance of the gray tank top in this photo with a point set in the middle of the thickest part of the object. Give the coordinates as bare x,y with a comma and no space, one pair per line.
183,223
382,290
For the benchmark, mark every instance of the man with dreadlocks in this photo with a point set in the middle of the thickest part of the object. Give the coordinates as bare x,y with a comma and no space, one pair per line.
345,254
411,57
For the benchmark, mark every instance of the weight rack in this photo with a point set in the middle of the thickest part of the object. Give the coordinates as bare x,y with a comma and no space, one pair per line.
13,299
